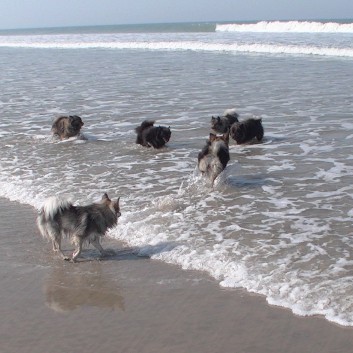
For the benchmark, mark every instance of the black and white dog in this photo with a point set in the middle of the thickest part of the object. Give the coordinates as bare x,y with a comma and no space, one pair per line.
247,130
222,124
81,224
214,156
152,136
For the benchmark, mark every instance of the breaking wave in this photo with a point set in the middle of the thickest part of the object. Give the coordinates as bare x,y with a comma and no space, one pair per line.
285,27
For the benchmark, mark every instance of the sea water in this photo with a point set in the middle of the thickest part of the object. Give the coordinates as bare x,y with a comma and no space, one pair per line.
278,221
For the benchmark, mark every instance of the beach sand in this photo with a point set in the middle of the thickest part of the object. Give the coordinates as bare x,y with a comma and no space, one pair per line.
133,304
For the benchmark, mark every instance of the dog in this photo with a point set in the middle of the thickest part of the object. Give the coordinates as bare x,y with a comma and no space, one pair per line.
59,217
67,126
223,124
152,136
247,130
214,156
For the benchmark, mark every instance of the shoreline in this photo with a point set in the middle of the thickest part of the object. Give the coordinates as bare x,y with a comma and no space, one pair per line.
134,304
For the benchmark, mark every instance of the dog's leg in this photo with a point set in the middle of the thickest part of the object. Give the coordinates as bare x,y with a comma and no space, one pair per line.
56,240
78,242
95,242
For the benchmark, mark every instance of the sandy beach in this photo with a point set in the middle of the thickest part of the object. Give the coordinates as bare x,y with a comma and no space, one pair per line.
132,304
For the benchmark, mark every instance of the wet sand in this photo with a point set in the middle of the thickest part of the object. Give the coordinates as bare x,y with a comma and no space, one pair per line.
132,304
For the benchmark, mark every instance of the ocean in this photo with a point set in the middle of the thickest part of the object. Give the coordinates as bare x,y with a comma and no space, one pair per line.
278,221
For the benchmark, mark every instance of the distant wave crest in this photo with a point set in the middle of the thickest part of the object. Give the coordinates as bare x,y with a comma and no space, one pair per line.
286,27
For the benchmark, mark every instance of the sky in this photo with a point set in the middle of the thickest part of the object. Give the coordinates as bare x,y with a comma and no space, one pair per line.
60,13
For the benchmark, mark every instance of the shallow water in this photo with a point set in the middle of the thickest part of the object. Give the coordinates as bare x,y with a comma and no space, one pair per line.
278,221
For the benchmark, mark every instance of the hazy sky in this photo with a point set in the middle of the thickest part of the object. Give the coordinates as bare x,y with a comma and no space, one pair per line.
54,13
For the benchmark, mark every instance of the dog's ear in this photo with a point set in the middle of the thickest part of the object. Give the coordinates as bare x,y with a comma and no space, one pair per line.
116,204
225,137
105,198
218,118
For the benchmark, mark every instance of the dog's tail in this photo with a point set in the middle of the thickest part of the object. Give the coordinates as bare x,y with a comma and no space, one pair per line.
232,112
54,205
45,220
144,125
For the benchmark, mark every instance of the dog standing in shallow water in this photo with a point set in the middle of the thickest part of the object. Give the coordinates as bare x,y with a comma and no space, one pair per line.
80,223
67,126
149,135
214,156
247,130
222,124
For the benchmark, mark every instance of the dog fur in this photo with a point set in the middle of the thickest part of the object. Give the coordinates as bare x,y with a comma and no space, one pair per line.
67,126
81,224
214,156
247,130
152,136
222,124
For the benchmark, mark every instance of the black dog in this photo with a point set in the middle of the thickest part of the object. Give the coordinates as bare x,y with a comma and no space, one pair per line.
246,130
214,156
222,124
149,135
67,126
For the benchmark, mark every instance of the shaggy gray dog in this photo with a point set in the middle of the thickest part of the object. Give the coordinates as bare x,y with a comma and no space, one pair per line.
67,126
80,223
214,156
222,124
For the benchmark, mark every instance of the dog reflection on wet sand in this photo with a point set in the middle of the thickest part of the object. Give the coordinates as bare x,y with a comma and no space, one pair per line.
68,290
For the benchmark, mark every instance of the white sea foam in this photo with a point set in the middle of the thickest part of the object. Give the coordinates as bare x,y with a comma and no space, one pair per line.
112,43
290,26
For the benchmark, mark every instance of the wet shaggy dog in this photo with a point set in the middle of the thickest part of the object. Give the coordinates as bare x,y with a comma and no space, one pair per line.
222,124
214,156
81,224
149,135
247,130
67,126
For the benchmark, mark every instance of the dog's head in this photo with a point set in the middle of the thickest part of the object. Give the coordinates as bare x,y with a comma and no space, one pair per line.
216,123
164,133
75,122
113,205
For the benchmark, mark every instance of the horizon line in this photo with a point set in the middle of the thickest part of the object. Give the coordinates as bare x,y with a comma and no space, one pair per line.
178,23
